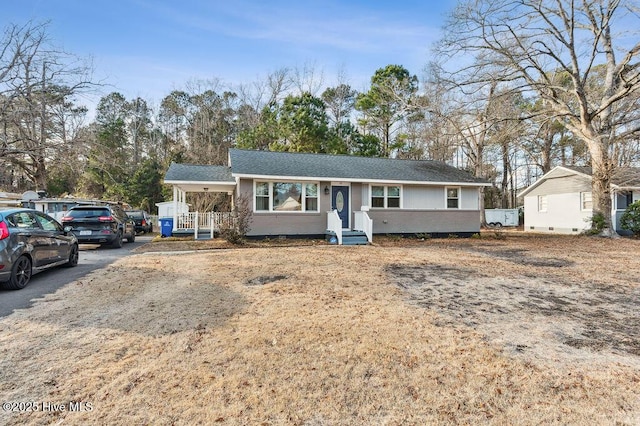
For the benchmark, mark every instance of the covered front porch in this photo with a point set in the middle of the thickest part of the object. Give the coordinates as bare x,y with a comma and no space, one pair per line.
200,179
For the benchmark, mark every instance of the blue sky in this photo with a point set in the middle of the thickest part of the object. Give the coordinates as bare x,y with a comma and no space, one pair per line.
149,47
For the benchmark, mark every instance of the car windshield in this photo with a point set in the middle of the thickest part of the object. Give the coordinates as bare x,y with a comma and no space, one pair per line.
135,214
80,213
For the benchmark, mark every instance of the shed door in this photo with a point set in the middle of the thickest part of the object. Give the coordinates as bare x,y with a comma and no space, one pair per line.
340,202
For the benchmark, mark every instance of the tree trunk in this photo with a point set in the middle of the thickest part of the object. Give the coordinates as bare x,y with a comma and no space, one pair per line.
506,168
546,149
602,170
40,173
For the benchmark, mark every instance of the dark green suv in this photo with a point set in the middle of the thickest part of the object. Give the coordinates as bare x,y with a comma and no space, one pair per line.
142,220
107,224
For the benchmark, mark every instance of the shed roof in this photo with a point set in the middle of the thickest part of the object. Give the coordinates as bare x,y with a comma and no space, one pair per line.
345,167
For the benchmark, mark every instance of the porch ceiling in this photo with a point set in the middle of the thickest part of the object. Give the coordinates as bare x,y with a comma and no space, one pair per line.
205,186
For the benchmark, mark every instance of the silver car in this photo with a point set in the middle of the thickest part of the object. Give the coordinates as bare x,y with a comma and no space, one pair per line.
31,241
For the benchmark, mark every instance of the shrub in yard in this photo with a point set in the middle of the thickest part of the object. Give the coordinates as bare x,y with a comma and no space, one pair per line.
630,219
236,231
597,223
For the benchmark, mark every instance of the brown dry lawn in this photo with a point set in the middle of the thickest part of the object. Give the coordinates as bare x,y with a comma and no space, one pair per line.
522,330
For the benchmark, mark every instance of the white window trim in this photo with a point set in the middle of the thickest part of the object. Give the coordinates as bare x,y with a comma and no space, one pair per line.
446,197
303,196
385,196
582,201
546,203
255,196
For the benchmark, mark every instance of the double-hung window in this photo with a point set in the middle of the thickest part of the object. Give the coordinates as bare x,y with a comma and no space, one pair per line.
262,196
385,197
586,201
542,203
286,197
453,197
311,197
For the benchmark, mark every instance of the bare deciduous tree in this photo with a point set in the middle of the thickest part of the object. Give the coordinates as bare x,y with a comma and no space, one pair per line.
308,79
528,42
38,83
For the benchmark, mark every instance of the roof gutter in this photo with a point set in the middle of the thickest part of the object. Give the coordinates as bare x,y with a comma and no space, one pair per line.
352,180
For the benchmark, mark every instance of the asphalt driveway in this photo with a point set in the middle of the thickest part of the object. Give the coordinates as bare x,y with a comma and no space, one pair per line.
91,257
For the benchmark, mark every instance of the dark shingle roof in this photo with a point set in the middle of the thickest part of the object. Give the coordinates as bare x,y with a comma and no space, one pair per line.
198,173
266,163
624,177
585,170
627,177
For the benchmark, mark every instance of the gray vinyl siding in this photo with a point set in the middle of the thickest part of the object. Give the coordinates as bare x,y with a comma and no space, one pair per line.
470,199
356,198
384,222
279,223
420,197
423,197
424,221
564,185
426,215
288,224
365,194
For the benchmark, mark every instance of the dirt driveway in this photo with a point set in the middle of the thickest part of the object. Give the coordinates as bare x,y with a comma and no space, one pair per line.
499,331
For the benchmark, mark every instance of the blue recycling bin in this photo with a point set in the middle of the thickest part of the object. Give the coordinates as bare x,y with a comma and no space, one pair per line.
166,227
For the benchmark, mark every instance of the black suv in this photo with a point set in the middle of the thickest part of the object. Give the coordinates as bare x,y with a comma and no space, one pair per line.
142,220
107,224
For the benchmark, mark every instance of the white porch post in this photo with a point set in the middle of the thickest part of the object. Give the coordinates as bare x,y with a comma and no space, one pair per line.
614,210
175,207
195,227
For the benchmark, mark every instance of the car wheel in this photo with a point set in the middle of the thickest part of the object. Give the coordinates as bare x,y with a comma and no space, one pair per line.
73,256
117,243
20,274
132,238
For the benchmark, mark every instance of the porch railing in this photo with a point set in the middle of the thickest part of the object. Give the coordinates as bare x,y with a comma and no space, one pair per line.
362,222
334,224
210,221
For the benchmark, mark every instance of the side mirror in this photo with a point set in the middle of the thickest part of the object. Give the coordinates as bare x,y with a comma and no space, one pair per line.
67,229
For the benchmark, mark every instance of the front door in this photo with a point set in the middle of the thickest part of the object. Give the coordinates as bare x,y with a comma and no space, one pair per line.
340,202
